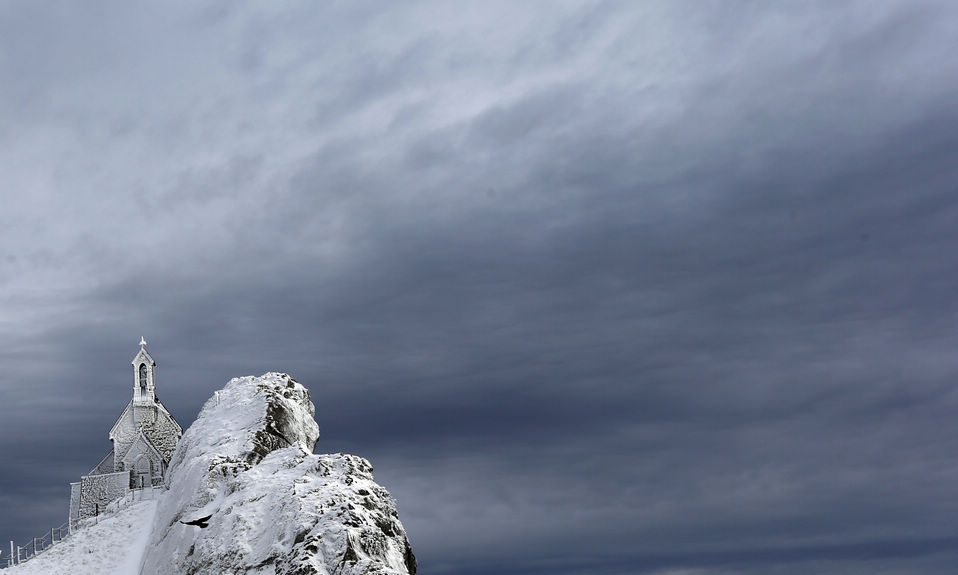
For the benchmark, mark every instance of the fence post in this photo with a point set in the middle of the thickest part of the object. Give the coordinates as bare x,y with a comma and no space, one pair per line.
12,562
34,546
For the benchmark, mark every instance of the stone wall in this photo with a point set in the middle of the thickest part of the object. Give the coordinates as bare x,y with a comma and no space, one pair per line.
155,422
106,465
164,433
97,491
146,464
124,432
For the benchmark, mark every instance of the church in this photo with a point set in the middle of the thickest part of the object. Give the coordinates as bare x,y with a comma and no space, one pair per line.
144,438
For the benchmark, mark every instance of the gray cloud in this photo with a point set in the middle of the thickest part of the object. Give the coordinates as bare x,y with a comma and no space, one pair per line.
597,287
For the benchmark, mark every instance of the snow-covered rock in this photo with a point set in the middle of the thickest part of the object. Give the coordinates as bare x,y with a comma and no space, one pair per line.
247,495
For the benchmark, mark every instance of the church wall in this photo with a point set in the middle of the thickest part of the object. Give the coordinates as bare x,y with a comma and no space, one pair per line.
155,422
124,432
145,415
105,466
164,434
97,491
146,465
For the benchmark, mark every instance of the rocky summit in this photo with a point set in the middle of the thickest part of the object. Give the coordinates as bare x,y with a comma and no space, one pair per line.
247,495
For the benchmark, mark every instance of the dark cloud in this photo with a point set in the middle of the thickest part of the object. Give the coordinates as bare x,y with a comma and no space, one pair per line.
596,287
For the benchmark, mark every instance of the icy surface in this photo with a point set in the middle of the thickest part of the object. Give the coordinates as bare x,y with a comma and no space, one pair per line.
246,495
113,546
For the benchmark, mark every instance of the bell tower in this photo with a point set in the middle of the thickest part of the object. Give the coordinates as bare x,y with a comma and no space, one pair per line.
144,392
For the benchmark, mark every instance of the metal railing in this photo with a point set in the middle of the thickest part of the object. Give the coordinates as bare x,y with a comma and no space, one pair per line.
37,545
23,553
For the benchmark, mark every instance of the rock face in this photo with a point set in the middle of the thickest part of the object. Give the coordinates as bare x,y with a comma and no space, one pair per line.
247,495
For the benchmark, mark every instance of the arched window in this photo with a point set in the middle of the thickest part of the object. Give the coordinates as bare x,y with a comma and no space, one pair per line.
142,378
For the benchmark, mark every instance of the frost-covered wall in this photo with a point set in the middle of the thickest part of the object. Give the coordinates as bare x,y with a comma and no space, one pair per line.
106,465
145,462
74,503
154,421
124,431
95,492
163,432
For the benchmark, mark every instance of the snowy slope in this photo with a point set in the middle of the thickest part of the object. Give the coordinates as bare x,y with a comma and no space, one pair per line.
246,495
261,502
114,546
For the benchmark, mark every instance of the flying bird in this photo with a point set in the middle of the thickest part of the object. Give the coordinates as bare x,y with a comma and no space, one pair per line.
202,522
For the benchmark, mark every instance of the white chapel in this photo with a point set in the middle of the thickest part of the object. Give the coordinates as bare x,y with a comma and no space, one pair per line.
144,438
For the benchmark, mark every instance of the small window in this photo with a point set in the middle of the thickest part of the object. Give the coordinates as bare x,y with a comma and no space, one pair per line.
142,378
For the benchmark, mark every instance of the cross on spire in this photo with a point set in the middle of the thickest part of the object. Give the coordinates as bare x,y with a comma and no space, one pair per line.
142,341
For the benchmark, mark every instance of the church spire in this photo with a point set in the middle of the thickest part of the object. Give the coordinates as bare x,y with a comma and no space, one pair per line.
144,391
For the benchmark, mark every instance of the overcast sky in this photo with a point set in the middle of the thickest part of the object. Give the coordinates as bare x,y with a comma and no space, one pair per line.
597,287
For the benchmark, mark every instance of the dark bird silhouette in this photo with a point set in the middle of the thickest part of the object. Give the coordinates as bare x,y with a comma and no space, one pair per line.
202,522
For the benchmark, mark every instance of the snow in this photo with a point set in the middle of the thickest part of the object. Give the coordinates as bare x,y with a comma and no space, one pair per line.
113,546
274,507
260,502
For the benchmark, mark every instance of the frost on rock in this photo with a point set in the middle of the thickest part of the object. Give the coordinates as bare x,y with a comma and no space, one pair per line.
246,495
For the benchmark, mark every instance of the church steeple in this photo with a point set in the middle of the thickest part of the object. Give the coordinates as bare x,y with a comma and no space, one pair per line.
144,391
144,438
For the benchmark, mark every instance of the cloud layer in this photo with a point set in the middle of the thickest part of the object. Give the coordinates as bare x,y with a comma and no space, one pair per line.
598,287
